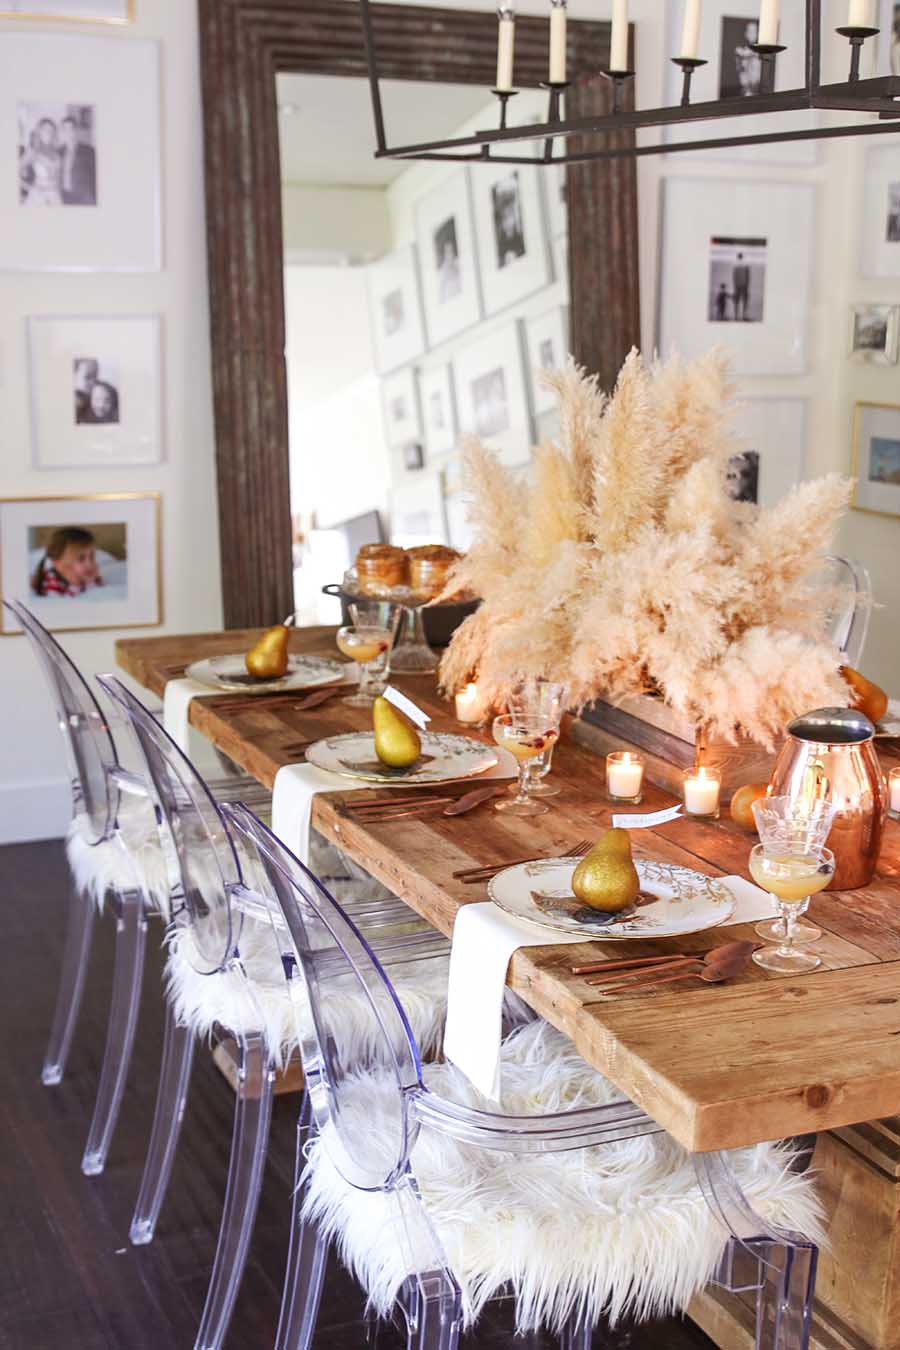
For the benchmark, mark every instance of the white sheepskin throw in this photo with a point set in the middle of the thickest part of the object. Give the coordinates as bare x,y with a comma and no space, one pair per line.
618,1229
121,863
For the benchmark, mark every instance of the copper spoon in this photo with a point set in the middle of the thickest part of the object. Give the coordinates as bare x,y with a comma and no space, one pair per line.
721,963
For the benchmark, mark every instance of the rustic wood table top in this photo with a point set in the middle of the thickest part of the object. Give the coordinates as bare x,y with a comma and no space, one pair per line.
762,1057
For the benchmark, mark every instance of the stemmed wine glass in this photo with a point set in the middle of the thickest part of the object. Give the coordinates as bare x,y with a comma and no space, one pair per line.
367,640
789,825
791,874
526,738
545,699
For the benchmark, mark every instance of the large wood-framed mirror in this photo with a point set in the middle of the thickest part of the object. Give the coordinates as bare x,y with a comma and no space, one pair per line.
247,46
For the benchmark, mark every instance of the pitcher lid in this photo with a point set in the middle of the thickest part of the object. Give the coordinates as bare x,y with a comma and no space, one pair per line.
832,726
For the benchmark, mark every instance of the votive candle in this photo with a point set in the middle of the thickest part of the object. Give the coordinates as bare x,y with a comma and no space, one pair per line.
506,43
618,55
690,33
624,776
471,706
701,791
768,23
894,791
862,14
557,41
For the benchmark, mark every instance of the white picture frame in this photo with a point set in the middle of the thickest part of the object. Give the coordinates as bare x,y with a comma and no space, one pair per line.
774,434
96,391
124,590
448,258
547,346
880,233
438,408
513,250
492,393
80,154
888,61
395,309
736,270
876,458
400,402
875,334
79,11
721,24
417,511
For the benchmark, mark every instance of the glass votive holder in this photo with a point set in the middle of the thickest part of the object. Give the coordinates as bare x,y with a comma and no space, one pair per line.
894,794
624,776
471,705
701,788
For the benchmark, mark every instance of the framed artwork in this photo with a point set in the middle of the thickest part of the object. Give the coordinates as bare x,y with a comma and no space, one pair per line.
736,264
512,243
889,38
417,512
874,332
733,70
456,511
395,307
79,154
876,458
554,177
96,389
438,409
448,260
492,394
400,401
880,235
82,562
413,457
547,343
774,431
83,11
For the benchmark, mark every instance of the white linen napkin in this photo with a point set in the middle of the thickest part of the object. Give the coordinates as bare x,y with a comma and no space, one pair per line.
176,710
297,784
484,939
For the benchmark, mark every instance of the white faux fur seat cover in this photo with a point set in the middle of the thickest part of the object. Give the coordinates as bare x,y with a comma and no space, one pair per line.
118,863
619,1229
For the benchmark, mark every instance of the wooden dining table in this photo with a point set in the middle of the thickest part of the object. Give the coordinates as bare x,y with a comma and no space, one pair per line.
762,1057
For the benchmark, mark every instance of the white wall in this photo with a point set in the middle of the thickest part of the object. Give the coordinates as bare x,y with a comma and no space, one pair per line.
331,223
33,793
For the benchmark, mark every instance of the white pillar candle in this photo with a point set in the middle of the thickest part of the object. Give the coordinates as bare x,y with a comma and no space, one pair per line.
618,55
506,42
690,33
862,14
894,803
624,775
701,792
558,42
471,706
768,23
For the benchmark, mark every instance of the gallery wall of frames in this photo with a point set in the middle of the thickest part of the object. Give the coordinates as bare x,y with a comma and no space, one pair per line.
107,487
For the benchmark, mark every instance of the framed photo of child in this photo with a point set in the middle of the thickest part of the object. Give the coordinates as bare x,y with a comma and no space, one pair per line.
82,562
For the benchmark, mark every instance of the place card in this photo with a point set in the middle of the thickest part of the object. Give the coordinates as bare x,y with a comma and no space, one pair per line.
646,821
406,705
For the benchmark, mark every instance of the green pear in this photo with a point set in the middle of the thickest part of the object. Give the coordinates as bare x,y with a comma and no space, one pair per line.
607,878
397,742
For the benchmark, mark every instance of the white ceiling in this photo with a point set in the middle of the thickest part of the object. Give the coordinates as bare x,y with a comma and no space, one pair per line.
327,133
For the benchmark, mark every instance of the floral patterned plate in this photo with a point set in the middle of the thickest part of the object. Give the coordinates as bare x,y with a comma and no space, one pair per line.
672,900
444,757
229,674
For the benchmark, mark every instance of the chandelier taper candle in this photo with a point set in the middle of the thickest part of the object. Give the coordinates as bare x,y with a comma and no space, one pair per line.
690,32
506,45
557,71
618,54
767,35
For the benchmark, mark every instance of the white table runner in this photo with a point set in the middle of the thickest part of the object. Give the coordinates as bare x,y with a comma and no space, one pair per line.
484,939
176,711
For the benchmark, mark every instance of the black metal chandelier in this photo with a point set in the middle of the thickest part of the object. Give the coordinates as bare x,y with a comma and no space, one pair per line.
879,96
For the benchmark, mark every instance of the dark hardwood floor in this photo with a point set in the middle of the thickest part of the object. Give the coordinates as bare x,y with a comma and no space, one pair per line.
69,1279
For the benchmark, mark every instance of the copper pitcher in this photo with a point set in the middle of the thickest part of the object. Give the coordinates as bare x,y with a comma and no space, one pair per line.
829,754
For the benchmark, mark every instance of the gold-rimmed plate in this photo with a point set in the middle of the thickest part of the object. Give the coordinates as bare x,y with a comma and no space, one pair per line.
229,675
444,757
673,900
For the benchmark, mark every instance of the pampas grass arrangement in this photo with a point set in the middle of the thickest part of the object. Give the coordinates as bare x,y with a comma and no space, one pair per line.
624,566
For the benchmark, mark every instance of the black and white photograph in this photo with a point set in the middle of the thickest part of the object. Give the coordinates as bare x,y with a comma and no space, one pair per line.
446,261
875,464
879,234
737,280
547,340
742,477
400,401
96,391
413,456
436,392
57,158
437,416
397,410
509,229
395,309
874,334
895,40
95,386
893,213
739,65
490,403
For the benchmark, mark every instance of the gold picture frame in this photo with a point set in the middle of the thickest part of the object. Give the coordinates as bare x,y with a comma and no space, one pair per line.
70,18
152,533
876,495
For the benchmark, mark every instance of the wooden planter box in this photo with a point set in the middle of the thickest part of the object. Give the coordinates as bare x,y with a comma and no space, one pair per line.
669,743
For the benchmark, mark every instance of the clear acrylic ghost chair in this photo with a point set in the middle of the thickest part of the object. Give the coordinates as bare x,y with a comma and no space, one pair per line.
220,933
848,588
115,835
372,1153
